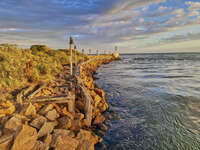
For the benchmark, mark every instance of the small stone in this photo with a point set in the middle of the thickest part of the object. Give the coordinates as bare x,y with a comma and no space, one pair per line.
6,108
46,108
6,141
65,112
40,146
52,115
47,139
64,122
79,116
103,127
46,128
25,138
86,123
38,122
102,133
99,119
97,100
29,110
76,125
80,105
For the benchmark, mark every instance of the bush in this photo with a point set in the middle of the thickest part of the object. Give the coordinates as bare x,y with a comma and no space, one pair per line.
43,69
35,76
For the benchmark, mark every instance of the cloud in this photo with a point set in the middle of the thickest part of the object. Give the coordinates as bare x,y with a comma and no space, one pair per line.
93,23
193,5
132,4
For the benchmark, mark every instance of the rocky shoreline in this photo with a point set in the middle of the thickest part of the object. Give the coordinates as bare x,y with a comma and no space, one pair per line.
60,124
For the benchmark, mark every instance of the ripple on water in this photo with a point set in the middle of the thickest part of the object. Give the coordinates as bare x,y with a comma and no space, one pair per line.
158,99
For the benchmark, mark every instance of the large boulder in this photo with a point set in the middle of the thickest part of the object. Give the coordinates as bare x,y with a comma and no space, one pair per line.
86,140
15,122
63,141
25,138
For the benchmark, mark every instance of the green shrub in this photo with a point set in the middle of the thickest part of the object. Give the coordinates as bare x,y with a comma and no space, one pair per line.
35,76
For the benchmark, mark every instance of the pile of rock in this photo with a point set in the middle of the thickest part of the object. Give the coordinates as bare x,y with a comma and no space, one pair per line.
99,101
48,127
44,126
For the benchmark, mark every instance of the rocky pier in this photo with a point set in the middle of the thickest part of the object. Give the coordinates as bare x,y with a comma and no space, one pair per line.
59,115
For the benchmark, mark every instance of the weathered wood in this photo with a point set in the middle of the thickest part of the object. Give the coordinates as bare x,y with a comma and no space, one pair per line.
53,99
24,92
89,101
36,91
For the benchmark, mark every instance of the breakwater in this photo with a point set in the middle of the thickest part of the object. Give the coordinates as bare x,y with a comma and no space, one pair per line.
56,115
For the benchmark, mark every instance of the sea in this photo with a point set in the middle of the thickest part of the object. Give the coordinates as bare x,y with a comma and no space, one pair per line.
158,99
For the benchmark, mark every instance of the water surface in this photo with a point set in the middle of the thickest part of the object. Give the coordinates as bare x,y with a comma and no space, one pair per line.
158,99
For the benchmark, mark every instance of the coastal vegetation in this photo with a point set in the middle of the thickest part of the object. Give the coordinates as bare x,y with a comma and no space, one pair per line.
39,63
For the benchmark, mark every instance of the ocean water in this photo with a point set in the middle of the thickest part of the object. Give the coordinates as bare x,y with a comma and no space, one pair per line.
158,99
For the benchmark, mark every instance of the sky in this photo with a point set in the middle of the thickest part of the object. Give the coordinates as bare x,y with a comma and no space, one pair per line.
134,26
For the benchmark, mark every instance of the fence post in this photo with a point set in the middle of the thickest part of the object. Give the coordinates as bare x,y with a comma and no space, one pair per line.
70,49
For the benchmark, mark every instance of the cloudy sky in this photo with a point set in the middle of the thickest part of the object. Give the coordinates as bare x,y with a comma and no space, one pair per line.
135,26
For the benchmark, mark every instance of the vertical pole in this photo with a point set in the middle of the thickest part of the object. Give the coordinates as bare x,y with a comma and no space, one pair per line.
70,48
83,54
75,51
116,49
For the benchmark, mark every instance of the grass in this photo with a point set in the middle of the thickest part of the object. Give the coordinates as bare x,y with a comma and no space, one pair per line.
20,67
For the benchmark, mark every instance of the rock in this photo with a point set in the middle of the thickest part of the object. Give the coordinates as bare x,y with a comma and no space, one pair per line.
99,119
25,138
6,141
103,127
15,122
6,108
100,92
64,132
76,125
46,108
85,123
64,122
79,116
62,141
40,146
65,112
86,145
38,122
80,105
101,133
46,128
28,110
47,139
52,115
97,100
86,140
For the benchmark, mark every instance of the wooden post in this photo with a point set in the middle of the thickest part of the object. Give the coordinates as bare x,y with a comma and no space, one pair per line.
82,54
70,49
75,51
116,49
97,52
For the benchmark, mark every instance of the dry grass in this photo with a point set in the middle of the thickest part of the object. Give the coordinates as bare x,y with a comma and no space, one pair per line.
20,67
